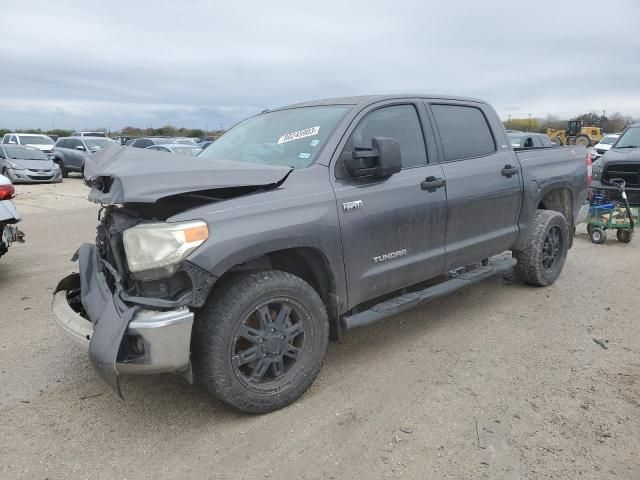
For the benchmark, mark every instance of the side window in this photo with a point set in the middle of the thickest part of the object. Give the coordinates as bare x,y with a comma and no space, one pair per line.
528,143
74,143
545,141
464,131
537,142
399,122
5,139
13,139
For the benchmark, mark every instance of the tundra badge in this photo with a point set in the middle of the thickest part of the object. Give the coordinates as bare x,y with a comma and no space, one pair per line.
390,256
355,205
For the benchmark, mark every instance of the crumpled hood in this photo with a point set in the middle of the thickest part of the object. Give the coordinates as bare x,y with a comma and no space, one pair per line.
120,175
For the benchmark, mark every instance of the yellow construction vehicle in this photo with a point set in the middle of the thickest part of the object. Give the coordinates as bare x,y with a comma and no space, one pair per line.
575,134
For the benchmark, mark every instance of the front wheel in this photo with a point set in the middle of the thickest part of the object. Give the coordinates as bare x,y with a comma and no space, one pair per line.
63,170
260,340
543,257
598,235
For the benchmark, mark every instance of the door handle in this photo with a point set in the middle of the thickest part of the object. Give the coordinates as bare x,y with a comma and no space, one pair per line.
431,184
508,171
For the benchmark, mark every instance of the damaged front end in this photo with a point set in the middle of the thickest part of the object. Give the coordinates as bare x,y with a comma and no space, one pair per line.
131,322
131,302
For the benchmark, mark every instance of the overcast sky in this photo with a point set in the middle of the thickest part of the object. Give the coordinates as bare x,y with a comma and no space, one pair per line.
87,64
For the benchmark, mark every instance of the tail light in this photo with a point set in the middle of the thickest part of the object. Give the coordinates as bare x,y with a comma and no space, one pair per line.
7,192
589,170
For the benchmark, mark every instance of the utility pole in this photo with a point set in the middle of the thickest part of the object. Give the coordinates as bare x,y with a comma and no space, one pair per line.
221,129
509,121
529,123
604,111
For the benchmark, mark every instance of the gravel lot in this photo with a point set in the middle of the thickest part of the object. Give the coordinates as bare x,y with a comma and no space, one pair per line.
498,381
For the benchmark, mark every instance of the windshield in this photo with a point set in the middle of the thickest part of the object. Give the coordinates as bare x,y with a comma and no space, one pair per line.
290,138
186,150
98,143
25,153
629,139
609,140
35,140
185,141
515,140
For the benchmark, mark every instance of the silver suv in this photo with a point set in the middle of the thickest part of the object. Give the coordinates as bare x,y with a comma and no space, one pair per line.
70,153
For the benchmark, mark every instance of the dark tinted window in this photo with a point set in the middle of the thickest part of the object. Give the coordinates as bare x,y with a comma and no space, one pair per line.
399,122
528,143
142,143
464,131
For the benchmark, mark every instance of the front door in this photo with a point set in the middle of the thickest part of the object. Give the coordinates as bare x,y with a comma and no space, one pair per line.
392,229
484,183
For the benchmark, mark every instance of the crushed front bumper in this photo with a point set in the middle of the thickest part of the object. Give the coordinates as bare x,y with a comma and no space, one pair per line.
120,338
8,235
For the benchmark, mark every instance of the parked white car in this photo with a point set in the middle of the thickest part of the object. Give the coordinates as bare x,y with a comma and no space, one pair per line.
41,142
604,145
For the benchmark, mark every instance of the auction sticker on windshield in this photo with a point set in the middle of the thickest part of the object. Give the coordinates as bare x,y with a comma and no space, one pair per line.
307,132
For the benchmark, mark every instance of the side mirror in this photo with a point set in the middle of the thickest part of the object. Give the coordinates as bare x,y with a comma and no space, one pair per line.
80,147
382,160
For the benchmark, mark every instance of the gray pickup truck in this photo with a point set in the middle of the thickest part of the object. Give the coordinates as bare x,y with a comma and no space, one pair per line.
238,266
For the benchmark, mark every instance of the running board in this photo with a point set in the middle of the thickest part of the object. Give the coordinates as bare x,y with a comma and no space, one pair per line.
409,300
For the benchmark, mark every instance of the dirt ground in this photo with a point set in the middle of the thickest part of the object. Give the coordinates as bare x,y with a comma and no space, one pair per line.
498,381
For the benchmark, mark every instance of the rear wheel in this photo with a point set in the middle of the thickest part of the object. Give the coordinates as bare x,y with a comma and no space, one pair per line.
582,140
260,341
598,235
542,259
624,235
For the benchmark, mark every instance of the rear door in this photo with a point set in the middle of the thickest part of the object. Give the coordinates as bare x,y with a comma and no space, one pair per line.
392,229
484,181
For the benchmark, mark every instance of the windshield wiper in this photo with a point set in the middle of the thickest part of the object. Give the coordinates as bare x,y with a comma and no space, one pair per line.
628,146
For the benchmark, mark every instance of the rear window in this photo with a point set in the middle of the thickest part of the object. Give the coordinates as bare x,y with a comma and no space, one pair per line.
35,140
464,132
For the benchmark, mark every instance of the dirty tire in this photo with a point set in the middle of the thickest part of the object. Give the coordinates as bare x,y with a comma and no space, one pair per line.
220,365
542,259
624,235
65,173
582,140
597,235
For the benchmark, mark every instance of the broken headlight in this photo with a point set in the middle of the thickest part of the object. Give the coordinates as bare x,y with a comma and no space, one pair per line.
162,246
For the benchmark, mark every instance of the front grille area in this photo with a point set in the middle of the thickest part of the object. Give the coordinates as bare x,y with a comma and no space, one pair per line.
629,172
38,177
